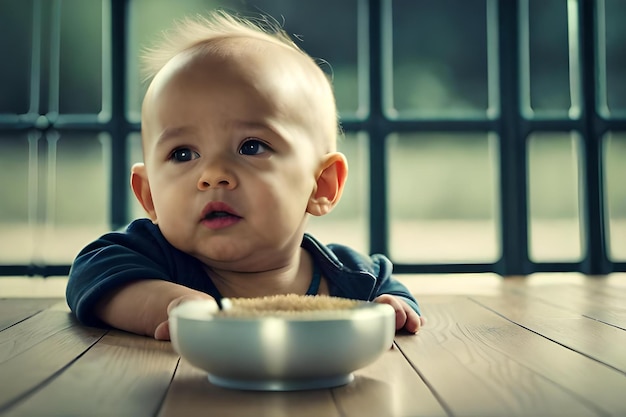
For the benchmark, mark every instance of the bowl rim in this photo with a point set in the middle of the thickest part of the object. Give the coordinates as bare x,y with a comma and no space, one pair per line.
208,310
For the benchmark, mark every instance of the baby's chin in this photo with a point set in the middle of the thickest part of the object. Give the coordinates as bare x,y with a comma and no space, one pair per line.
218,254
236,257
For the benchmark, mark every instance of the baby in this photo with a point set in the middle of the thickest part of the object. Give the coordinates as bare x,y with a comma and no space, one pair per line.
239,131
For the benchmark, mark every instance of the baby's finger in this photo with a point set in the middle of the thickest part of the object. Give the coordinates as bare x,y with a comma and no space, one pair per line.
401,314
397,306
162,331
184,298
413,320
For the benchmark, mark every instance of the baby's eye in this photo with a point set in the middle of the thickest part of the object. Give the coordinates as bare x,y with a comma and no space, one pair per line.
253,147
183,155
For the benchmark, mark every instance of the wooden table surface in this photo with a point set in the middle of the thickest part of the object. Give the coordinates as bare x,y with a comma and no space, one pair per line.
519,347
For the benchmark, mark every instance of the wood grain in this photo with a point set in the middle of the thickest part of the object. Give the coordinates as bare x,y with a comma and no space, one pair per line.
583,354
122,375
191,394
14,310
387,387
567,327
511,347
28,333
477,362
33,350
592,300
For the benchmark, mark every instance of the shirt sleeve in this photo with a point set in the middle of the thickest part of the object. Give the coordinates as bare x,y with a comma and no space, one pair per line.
111,261
116,259
387,284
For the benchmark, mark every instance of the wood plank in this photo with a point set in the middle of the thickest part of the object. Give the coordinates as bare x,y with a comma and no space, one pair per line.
121,375
479,363
14,310
594,293
387,387
28,333
516,347
191,394
31,368
569,328
589,300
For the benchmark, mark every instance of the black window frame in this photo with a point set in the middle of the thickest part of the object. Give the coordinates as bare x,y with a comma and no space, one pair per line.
511,126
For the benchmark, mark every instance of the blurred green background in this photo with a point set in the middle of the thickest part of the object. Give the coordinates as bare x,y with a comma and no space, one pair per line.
438,62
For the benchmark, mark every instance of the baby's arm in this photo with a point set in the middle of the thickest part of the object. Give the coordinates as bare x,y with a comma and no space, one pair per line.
406,317
141,306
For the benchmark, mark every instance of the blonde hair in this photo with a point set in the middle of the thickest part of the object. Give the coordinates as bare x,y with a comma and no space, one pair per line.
192,32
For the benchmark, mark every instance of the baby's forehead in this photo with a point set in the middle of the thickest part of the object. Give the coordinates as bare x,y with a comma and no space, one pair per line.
245,56
256,58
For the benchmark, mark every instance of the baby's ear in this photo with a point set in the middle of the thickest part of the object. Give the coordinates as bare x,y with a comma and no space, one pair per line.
141,187
329,185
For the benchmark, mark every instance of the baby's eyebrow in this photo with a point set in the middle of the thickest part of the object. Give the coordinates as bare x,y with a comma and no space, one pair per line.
172,133
252,125
262,127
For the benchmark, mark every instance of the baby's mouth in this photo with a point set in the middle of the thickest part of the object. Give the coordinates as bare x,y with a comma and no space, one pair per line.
219,215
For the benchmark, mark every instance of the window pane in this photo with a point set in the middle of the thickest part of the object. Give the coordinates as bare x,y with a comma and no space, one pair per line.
334,41
548,57
77,193
16,21
16,238
554,215
615,55
442,198
348,223
615,174
80,72
439,64
58,191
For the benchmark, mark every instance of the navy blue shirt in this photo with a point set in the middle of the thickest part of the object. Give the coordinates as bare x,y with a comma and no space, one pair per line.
142,252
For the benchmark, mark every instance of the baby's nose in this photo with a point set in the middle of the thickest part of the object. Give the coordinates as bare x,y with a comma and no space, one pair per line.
214,177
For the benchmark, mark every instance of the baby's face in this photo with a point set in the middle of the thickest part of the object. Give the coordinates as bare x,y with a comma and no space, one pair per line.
232,148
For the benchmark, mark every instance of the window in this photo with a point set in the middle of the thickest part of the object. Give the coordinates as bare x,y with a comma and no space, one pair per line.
484,135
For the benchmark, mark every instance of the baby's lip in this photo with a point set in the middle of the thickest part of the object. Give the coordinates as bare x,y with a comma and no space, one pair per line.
217,207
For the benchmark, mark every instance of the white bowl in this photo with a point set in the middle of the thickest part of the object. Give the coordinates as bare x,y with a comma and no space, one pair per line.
309,350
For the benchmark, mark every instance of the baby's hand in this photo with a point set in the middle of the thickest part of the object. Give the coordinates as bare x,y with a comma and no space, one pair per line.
406,317
162,331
